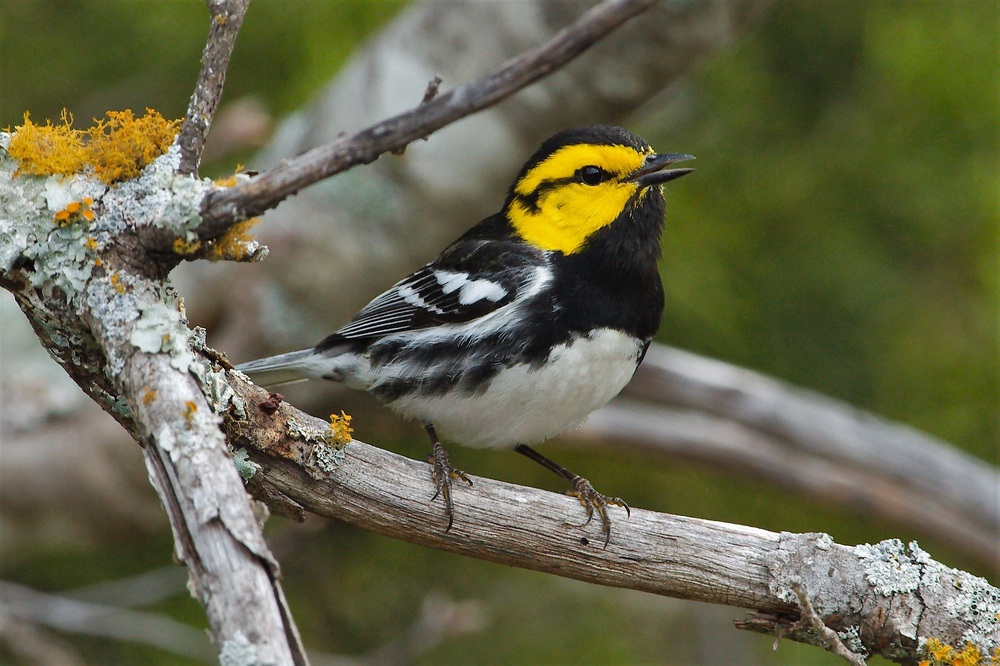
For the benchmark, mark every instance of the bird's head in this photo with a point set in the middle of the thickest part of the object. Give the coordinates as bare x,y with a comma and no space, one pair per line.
583,180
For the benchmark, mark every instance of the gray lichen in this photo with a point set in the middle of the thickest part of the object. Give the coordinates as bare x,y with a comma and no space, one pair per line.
851,638
323,460
238,651
889,568
977,604
296,430
246,467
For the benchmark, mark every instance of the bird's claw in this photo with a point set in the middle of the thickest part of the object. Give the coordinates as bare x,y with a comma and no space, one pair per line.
593,501
442,472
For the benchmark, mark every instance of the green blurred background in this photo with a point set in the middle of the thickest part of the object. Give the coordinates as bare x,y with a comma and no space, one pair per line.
841,233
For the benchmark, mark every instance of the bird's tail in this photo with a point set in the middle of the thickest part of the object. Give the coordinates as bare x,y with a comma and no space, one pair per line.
282,369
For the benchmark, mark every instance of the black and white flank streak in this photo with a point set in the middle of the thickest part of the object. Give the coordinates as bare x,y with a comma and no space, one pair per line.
447,334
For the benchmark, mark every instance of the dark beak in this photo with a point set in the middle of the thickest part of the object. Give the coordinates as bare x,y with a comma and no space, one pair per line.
654,171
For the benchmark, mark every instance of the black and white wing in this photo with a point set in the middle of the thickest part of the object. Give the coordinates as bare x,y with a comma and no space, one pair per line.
471,279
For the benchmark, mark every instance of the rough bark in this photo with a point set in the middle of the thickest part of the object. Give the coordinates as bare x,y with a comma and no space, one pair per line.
880,599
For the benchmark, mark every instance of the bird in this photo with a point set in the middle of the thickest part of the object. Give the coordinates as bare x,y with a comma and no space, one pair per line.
528,322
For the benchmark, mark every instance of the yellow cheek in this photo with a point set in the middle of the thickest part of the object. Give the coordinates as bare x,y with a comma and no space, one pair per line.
566,216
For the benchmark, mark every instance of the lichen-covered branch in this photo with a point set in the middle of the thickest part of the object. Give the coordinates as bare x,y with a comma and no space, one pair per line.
880,599
102,309
227,17
221,209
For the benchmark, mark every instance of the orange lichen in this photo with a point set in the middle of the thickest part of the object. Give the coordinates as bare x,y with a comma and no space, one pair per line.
148,395
117,148
117,283
940,653
230,181
969,656
190,409
123,146
185,247
75,211
43,150
236,244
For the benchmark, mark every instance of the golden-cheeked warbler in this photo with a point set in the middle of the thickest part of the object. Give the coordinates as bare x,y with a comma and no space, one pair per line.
527,323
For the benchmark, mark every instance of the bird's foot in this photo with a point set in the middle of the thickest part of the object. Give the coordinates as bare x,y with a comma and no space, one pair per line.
594,501
443,473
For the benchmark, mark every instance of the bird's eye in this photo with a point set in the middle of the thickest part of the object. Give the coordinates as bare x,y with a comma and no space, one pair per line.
590,175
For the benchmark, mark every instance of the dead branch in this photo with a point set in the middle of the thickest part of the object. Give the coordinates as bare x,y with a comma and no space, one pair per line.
880,599
102,620
223,208
227,17
683,405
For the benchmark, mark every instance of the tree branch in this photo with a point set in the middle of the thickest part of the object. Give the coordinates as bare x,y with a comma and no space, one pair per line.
683,405
104,620
99,305
227,17
223,208
879,599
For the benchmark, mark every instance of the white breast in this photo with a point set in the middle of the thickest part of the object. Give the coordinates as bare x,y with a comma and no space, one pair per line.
526,404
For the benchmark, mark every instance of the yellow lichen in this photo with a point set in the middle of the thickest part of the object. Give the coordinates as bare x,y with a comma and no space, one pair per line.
186,248
969,656
229,181
340,430
236,244
43,150
148,395
117,148
190,409
943,654
122,146
117,283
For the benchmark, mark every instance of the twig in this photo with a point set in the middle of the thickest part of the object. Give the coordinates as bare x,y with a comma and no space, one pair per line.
227,17
26,642
145,589
222,208
433,87
829,637
91,619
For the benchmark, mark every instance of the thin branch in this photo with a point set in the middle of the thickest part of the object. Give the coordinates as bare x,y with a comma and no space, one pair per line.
105,621
222,208
810,620
227,17
145,589
886,595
